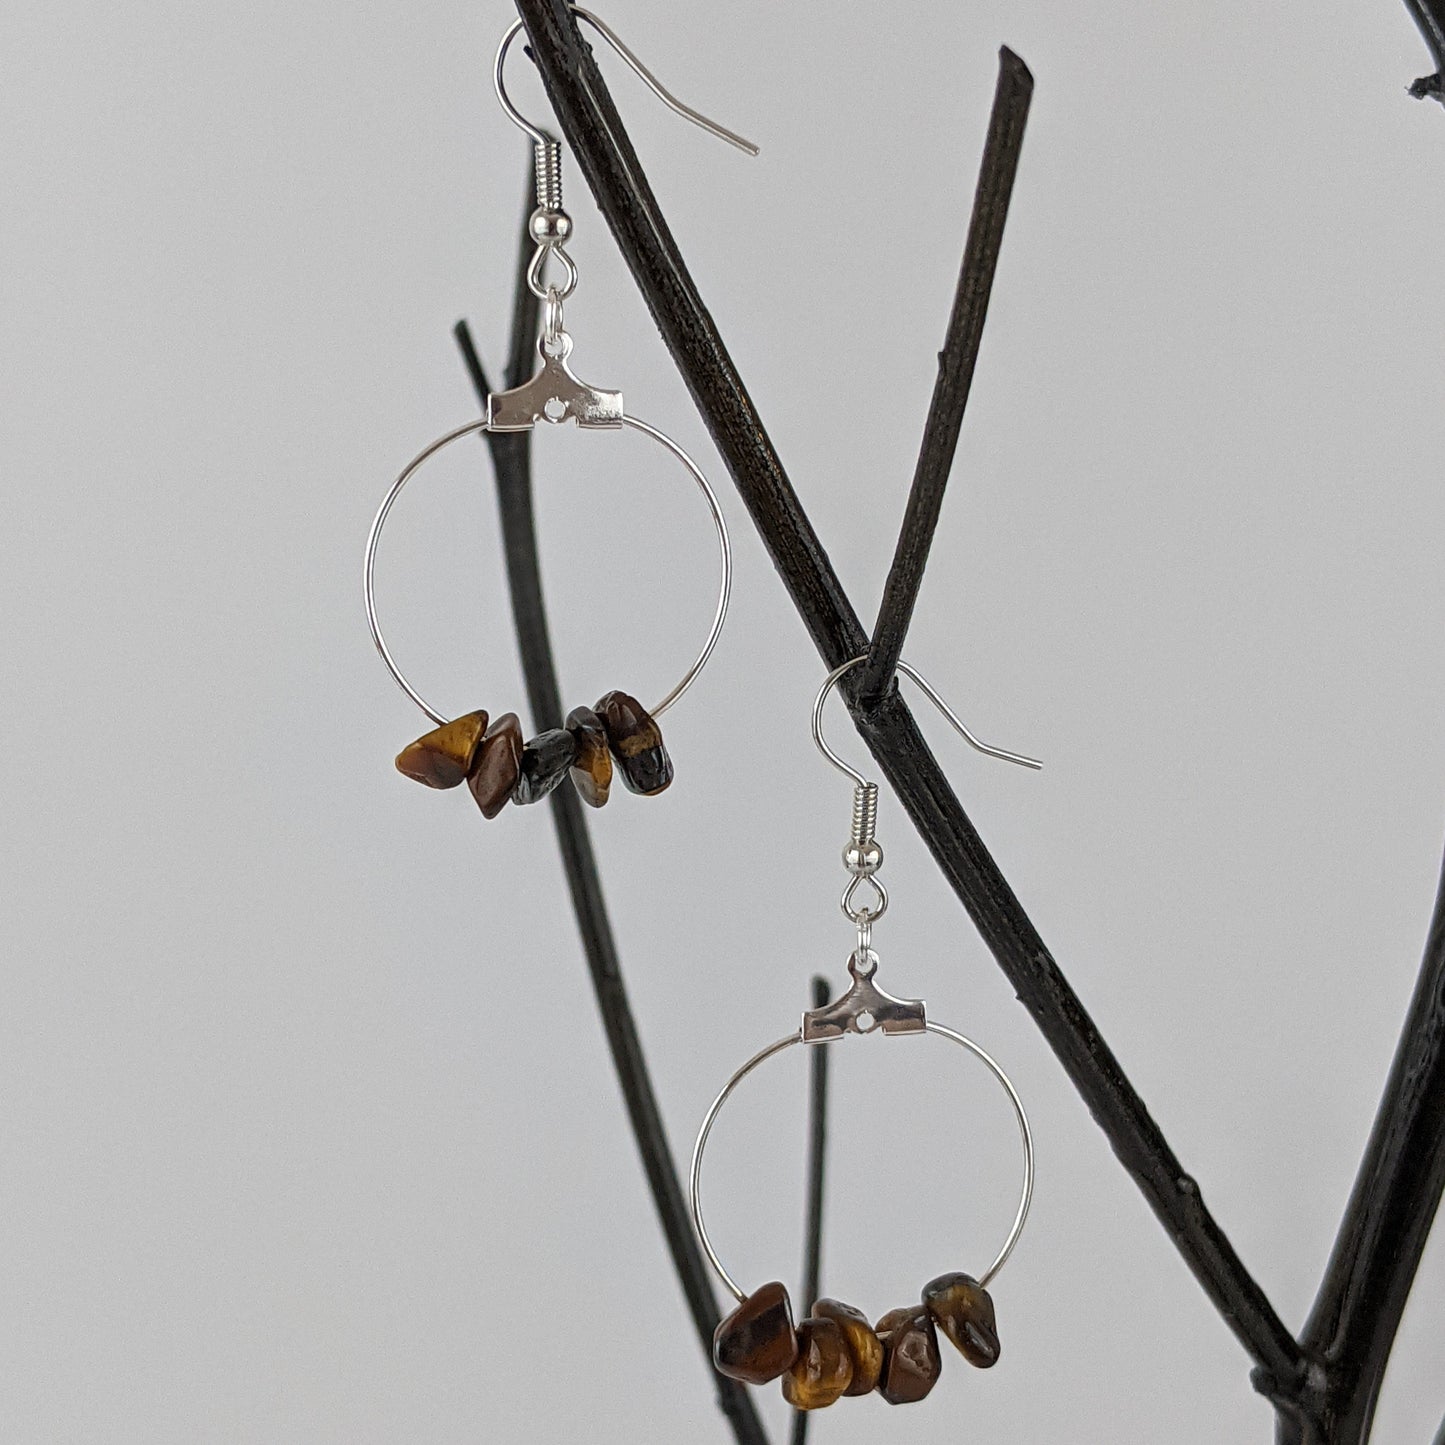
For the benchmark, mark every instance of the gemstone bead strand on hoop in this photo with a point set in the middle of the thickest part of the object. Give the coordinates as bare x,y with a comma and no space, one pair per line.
499,768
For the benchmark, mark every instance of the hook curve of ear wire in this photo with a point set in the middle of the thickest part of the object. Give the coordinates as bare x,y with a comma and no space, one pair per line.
541,138
863,855
927,689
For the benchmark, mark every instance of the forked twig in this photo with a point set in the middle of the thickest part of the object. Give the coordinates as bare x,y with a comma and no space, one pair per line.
599,140
1387,1221
1324,1390
1429,15
956,362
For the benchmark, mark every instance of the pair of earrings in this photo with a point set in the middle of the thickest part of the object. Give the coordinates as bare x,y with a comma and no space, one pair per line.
835,1350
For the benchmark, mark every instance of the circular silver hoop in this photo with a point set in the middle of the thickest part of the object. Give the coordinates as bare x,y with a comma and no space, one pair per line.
695,1177
478,427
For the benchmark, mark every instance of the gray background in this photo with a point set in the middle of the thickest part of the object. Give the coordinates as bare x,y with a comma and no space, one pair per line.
310,1134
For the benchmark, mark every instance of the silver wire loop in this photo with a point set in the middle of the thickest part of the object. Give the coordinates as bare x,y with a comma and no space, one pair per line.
863,954
709,496
880,907
541,138
926,688
695,1175
536,272
552,329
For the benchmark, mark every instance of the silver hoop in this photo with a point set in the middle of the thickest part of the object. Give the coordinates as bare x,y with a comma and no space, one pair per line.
695,1177
709,496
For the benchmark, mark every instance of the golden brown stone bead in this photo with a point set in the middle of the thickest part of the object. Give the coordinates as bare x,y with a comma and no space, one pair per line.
756,1343
911,1362
865,1349
498,763
963,1309
592,767
544,764
824,1368
443,757
636,743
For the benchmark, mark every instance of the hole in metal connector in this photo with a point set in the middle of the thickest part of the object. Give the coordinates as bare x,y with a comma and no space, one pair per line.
865,1021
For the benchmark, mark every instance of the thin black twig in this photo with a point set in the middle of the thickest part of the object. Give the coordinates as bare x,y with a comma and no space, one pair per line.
956,363
1429,15
817,1156
599,140
511,458
1387,1221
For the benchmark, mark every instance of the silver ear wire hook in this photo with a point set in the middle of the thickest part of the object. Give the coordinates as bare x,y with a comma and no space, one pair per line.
926,688
542,138
550,224
863,857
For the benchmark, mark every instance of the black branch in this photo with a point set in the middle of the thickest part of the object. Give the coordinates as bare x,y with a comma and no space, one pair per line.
1429,15
598,139
511,459
817,1160
1387,1221
956,363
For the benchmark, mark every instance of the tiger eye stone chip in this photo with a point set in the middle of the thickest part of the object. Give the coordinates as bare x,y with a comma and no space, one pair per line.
824,1368
636,743
443,757
544,763
865,1349
756,1342
911,1362
498,765
592,767
963,1309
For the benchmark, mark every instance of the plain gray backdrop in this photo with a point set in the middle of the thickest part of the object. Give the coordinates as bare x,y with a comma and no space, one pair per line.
310,1134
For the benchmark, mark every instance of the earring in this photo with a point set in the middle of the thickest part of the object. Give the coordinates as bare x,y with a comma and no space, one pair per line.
486,752
835,1351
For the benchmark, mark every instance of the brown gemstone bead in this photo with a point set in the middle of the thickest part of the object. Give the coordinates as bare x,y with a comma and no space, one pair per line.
636,743
756,1343
865,1349
443,757
824,1368
497,766
911,1362
544,764
963,1309
592,767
